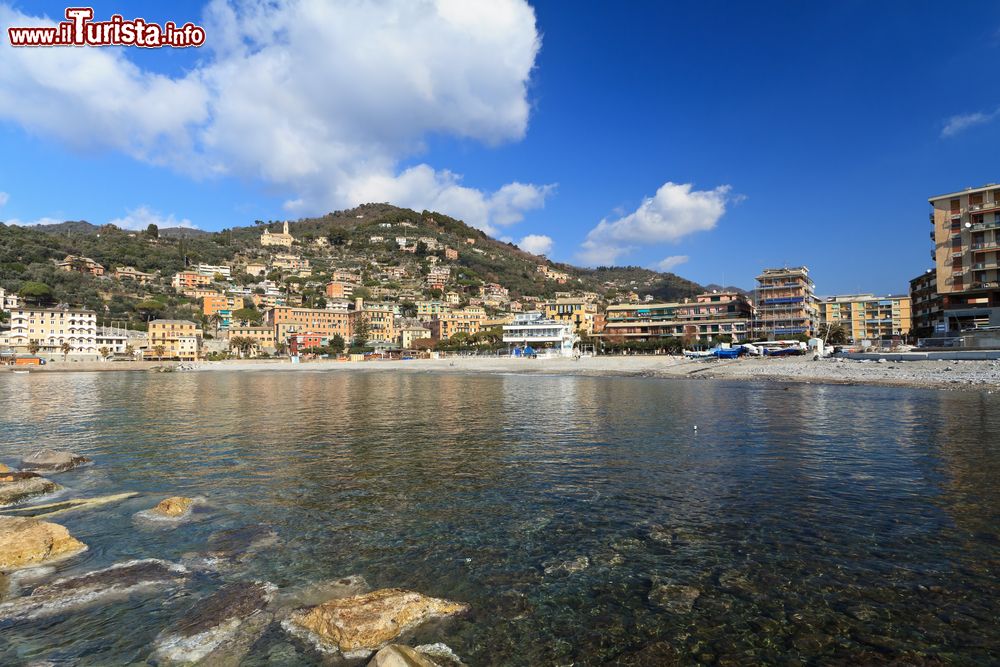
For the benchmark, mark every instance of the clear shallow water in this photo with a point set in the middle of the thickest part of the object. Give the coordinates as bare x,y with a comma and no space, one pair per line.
821,524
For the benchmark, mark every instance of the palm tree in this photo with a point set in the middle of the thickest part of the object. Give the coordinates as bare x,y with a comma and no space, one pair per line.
66,348
160,350
242,344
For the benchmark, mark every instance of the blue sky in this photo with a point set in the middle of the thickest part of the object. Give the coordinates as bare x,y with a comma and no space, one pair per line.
795,133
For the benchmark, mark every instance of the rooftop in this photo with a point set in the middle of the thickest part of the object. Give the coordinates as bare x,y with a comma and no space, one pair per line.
966,191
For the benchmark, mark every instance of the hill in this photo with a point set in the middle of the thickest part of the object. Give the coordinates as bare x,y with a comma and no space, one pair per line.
362,239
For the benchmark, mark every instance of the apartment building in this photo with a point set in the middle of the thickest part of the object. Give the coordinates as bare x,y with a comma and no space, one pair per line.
925,304
286,320
220,302
966,253
80,265
786,303
132,273
212,269
427,310
868,317
190,280
8,300
263,336
336,289
450,322
290,262
381,321
703,320
51,328
410,333
173,339
577,311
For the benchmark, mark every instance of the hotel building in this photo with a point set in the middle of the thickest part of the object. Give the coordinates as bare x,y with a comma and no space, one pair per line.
286,320
50,328
868,317
179,339
966,236
786,304
534,330
448,323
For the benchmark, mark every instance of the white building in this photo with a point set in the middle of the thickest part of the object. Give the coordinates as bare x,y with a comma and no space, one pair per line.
212,269
532,330
50,328
8,300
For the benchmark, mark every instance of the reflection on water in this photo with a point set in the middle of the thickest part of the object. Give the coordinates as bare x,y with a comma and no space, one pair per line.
818,523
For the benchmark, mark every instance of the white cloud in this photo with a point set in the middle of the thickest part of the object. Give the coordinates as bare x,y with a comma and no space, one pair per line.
33,223
4,198
672,262
141,217
536,244
323,101
962,122
675,211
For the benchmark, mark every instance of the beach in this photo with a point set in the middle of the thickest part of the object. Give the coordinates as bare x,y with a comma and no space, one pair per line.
976,375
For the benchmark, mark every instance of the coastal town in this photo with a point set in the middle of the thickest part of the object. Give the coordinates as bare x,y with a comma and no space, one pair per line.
278,302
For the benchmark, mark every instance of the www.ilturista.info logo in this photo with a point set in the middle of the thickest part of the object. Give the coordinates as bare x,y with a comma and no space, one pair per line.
80,30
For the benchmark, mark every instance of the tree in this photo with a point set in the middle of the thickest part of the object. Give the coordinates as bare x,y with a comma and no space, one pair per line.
149,307
361,331
37,293
362,292
130,350
833,334
105,352
33,347
337,236
66,349
242,344
336,344
152,231
247,315
159,351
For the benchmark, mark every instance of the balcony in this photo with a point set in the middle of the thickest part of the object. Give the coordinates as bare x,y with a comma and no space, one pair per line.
985,247
932,235
985,206
984,226
985,266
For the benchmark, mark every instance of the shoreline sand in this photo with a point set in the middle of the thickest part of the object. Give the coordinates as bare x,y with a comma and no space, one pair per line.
968,375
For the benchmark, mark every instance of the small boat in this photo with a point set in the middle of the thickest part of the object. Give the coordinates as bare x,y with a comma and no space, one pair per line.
783,352
727,352
695,354
21,372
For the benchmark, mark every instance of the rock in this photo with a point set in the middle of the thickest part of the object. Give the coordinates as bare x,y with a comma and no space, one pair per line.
660,653
398,655
359,625
318,592
578,564
4,467
240,543
440,654
25,542
221,629
121,580
675,598
51,460
18,486
173,507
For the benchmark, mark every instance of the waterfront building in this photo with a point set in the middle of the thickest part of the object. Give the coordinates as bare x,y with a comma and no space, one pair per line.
81,265
284,239
190,279
709,317
868,317
132,273
286,320
534,330
50,328
381,321
578,311
786,303
173,339
966,253
305,342
117,340
450,322
646,321
928,319
412,332
263,336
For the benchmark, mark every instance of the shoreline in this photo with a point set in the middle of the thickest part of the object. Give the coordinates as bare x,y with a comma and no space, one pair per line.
962,375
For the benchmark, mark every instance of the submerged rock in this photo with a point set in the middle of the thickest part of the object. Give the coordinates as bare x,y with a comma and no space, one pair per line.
440,654
25,542
398,655
174,506
361,624
18,486
119,580
675,598
318,592
221,629
578,564
51,460
239,543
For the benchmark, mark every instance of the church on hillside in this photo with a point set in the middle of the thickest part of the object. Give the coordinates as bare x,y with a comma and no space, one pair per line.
284,239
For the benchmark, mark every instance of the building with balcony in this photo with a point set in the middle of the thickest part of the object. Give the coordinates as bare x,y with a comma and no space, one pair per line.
132,273
81,265
450,322
212,269
535,331
709,317
186,280
966,253
287,320
173,339
868,317
51,328
786,304
263,338
578,311
925,305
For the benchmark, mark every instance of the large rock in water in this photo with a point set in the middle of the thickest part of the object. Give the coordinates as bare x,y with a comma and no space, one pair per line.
118,581
25,542
18,486
173,507
359,625
51,460
221,629
398,655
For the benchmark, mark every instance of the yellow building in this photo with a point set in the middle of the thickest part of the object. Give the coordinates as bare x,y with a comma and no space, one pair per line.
263,336
50,329
216,302
284,239
381,323
448,323
868,317
577,311
408,334
173,339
